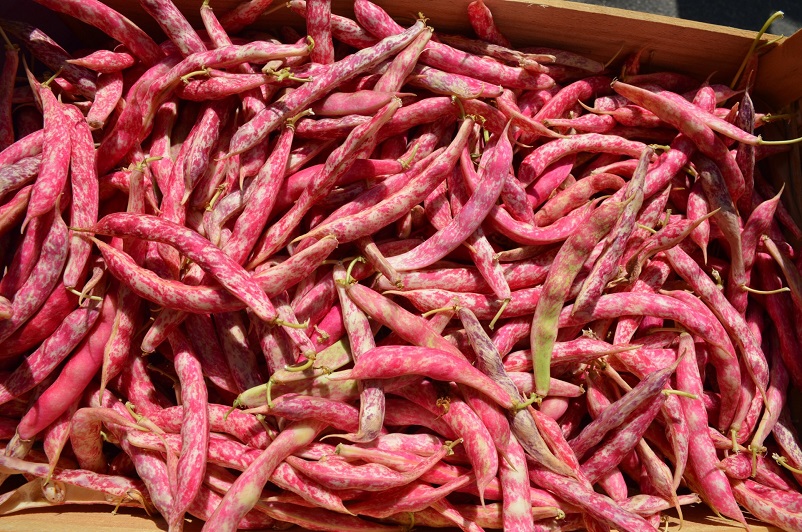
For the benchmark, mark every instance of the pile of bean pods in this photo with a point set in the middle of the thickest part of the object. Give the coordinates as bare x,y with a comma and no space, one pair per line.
376,276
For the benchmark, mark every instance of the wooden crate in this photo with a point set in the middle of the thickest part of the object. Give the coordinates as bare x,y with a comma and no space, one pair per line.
695,48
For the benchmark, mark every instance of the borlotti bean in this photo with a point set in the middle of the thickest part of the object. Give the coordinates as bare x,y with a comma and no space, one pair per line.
377,275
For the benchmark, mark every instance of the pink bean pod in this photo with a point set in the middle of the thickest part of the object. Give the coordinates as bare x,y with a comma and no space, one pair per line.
243,14
194,429
261,125
695,128
336,165
443,57
85,427
227,272
24,260
113,23
83,179
76,79
368,221
607,264
17,175
106,61
33,293
107,98
702,456
13,212
245,491
426,361
51,353
55,157
318,24
174,25
469,217
340,475
74,376
536,162
481,20
343,29
403,64
557,285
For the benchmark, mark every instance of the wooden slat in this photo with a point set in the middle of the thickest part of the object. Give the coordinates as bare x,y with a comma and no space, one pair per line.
780,72
100,519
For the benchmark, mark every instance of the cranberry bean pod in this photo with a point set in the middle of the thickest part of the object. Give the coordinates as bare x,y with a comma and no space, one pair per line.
51,353
617,412
766,507
414,496
219,265
597,505
776,398
174,25
368,221
507,105
74,376
383,190
689,123
27,146
85,440
245,491
727,220
360,336
51,314
343,29
242,361
575,196
116,487
55,157
469,217
476,439
403,64
481,20
221,419
26,256
194,428
83,179
443,57
449,84
243,14
46,50
606,265
394,361
17,175
489,362
621,443
702,457
336,165
106,61
262,124
107,98
43,279
706,288
13,211
557,284
340,475
113,23
318,25
408,326
534,164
